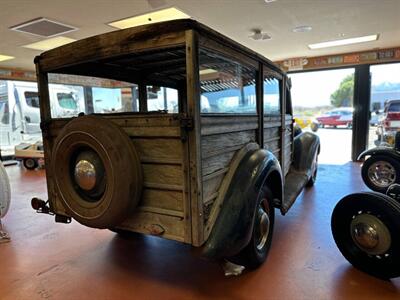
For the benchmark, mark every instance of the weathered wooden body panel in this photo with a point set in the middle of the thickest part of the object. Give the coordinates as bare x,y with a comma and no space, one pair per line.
164,205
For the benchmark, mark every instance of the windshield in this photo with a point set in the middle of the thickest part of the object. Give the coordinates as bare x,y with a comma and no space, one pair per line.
394,107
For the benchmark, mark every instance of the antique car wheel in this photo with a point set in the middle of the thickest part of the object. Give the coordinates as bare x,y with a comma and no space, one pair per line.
97,171
255,253
366,229
314,127
5,196
30,163
379,172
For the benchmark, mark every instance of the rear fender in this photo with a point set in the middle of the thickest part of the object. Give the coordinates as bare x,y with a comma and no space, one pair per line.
234,224
380,151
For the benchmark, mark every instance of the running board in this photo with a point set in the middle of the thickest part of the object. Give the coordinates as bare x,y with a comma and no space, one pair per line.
294,184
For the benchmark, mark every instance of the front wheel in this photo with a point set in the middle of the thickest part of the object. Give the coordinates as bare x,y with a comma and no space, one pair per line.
365,227
379,172
256,252
30,163
314,127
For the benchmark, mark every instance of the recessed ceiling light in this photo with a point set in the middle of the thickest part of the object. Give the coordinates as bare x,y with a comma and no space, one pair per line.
356,40
304,28
167,14
50,43
269,1
5,57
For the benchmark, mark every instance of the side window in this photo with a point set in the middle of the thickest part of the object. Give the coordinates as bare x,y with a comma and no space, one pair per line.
272,101
66,100
227,86
32,99
162,99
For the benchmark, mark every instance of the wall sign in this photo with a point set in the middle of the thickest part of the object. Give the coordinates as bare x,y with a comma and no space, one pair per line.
355,58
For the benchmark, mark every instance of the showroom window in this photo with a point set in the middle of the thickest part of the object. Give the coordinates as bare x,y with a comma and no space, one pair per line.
226,85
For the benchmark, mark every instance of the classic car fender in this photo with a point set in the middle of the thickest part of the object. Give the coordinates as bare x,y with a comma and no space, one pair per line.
234,224
306,147
380,150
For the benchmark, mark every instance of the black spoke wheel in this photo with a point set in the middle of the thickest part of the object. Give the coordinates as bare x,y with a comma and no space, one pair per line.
256,252
30,163
380,171
366,227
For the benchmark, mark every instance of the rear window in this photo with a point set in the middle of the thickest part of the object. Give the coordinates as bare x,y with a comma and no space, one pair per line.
394,107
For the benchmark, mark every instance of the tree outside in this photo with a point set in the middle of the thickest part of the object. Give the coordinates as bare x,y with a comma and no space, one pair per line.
343,96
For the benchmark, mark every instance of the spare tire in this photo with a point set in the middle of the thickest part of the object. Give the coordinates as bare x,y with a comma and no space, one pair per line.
97,171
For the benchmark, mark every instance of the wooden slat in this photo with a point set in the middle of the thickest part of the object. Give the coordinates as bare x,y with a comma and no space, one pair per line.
167,149
221,143
215,163
162,211
143,222
172,200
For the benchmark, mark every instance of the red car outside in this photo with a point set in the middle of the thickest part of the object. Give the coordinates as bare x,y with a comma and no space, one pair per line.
337,117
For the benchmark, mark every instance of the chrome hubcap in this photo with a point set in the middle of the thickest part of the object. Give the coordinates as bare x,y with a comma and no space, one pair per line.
382,174
264,225
370,234
85,175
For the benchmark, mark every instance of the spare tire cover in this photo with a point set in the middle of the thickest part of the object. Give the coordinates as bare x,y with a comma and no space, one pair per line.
5,191
97,171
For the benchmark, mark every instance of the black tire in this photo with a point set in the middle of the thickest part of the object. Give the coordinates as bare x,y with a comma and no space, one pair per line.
118,183
313,177
374,161
30,163
314,127
251,256
382,259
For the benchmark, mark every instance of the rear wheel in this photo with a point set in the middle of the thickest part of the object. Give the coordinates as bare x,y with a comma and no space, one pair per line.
314,127
366,229
255,253
380,171
313,177
30,163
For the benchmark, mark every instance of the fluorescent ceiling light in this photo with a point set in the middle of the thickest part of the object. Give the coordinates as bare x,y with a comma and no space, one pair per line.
5,57
167,14
208,71
304,28
356,40
50,43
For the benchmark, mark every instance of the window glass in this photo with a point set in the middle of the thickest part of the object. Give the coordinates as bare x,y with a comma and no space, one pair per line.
66,100
272,102
72,94
226,86
32,99
162,99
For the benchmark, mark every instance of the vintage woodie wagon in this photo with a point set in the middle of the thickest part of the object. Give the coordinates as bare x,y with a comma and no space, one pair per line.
198,147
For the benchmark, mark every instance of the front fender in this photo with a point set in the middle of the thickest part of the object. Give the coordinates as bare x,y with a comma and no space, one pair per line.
233,227
306,147
380,151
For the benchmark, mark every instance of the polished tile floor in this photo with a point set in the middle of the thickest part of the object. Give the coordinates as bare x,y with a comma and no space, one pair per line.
45,260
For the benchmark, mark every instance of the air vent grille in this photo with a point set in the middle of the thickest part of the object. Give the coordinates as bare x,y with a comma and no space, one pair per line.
43,27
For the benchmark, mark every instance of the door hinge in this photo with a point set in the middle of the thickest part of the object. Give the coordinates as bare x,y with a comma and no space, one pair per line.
186,123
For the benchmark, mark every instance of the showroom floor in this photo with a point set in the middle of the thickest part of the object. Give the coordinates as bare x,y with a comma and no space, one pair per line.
45,260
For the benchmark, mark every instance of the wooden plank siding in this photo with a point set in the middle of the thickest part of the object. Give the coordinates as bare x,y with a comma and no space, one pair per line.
164,201
221,137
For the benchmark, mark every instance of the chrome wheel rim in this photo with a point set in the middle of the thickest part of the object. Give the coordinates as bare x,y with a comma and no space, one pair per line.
370,234
382,174
263,223
85,175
